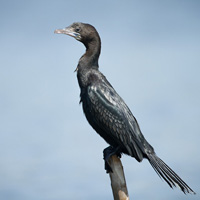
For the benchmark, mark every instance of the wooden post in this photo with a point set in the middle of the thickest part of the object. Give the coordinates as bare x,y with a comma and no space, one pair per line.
118,182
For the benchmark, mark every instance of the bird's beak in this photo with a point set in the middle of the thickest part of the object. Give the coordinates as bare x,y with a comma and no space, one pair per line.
68,31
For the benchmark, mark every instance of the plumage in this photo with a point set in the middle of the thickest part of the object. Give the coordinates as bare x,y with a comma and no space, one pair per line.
106,111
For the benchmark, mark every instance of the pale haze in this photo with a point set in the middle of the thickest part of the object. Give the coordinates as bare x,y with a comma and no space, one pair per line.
151,56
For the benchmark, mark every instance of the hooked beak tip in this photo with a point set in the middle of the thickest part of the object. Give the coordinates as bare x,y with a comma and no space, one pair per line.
59,31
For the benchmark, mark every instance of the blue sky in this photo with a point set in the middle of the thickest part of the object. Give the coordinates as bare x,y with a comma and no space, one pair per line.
150,54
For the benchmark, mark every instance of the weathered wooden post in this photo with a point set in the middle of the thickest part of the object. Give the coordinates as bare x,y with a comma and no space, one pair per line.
118,182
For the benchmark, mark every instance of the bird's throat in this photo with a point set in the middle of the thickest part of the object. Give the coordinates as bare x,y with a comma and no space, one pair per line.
91,56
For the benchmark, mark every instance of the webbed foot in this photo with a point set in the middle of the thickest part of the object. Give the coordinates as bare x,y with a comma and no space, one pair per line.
107,153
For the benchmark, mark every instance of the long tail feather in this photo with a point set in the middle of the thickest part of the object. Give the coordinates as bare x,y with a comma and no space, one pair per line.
166,173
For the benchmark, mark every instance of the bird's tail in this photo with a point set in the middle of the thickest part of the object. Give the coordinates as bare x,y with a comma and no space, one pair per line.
166,173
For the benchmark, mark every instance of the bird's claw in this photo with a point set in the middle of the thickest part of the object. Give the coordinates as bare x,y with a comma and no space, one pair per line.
107,153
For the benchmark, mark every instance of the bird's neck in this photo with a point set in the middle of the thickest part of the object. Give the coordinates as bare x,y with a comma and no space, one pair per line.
88,63
91,56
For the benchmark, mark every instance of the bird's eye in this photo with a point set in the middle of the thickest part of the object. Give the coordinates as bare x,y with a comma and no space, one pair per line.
77,29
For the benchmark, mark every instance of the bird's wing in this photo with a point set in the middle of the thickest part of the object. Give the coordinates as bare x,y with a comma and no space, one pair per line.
112,115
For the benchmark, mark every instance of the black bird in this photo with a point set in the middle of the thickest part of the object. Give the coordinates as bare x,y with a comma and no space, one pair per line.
108,114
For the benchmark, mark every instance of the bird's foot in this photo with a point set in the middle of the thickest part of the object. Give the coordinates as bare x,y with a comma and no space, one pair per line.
107,153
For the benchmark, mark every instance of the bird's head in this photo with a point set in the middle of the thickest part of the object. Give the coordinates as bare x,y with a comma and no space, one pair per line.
82,32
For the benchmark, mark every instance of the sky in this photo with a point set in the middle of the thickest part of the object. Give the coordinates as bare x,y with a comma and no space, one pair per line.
150,54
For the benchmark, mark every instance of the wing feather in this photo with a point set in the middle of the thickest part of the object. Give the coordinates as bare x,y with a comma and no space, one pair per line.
112,119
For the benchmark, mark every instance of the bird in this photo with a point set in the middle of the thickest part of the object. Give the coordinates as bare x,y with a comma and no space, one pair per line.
107,112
